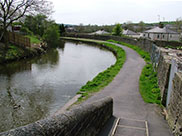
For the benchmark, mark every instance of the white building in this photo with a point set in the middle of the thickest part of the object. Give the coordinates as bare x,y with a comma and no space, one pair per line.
100,32
131,33
163,34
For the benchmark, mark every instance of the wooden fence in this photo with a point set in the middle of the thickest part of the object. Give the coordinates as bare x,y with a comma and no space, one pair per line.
18,39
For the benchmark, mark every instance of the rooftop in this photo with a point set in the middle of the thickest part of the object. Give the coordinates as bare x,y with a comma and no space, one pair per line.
161,30
129,32
100,32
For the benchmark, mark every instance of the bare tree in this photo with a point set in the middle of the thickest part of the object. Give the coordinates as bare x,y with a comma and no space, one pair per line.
13,10
141,25
128,25
178,24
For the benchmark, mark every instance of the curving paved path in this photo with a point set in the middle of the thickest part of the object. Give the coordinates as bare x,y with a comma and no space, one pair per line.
128,103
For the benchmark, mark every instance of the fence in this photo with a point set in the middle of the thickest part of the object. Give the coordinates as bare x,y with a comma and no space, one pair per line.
18,39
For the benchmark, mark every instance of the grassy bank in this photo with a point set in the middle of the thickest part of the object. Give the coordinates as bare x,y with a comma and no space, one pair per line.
14,53
105,77
33,39
148,84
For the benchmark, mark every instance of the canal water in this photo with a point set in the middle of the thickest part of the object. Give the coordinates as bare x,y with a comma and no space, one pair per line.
36,88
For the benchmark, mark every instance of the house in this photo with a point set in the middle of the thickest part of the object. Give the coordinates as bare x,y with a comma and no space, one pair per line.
70,29
16,28
130,33
164,34
99,32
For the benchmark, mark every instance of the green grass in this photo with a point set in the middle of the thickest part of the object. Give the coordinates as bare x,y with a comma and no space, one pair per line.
141,52
105,77
148,83
33,39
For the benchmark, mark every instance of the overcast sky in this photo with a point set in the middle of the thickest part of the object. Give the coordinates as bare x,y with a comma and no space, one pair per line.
102,12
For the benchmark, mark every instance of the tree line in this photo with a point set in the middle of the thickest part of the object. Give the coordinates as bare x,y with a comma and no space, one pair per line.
32,15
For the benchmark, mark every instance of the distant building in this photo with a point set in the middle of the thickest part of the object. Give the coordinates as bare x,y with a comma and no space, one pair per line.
131,33
70,29
163,34
99,32
16,28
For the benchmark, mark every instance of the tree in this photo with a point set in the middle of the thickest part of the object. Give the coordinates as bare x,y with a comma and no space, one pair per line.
128,25
161,25
80,28
141,26
62,29
178,24
37,24
52,35
13,10
117,30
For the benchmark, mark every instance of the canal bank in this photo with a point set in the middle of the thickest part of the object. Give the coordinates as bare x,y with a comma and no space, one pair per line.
36,88
16,53
128,103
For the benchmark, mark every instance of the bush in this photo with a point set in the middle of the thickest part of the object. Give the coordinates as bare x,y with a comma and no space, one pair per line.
26,31
52,35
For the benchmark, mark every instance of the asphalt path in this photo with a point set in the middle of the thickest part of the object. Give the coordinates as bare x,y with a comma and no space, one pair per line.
128,103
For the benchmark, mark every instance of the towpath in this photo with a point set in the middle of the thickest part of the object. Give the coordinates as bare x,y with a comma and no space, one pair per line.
136,116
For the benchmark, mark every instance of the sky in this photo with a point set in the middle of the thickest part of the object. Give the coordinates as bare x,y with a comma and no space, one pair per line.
107,12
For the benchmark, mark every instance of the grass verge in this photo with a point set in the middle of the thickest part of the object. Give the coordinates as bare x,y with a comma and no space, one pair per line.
105,77
33,39
148,84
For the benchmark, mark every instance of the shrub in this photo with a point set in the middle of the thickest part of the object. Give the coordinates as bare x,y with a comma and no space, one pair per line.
52,35
26,31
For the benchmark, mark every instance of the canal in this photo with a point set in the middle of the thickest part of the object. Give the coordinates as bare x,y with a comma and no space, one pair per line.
36,88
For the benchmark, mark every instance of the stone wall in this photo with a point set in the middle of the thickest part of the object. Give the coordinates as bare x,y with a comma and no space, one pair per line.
83,120
163,71
175,105
143,42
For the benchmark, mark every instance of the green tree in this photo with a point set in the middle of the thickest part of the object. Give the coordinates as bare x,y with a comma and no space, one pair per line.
52,35
13,10
117,30
37,24
62,29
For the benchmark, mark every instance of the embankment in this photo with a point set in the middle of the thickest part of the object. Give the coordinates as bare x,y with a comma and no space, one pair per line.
15,53
168,65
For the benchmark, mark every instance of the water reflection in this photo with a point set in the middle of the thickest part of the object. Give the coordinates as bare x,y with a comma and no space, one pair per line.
18,107
14,67
51,58
36,88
